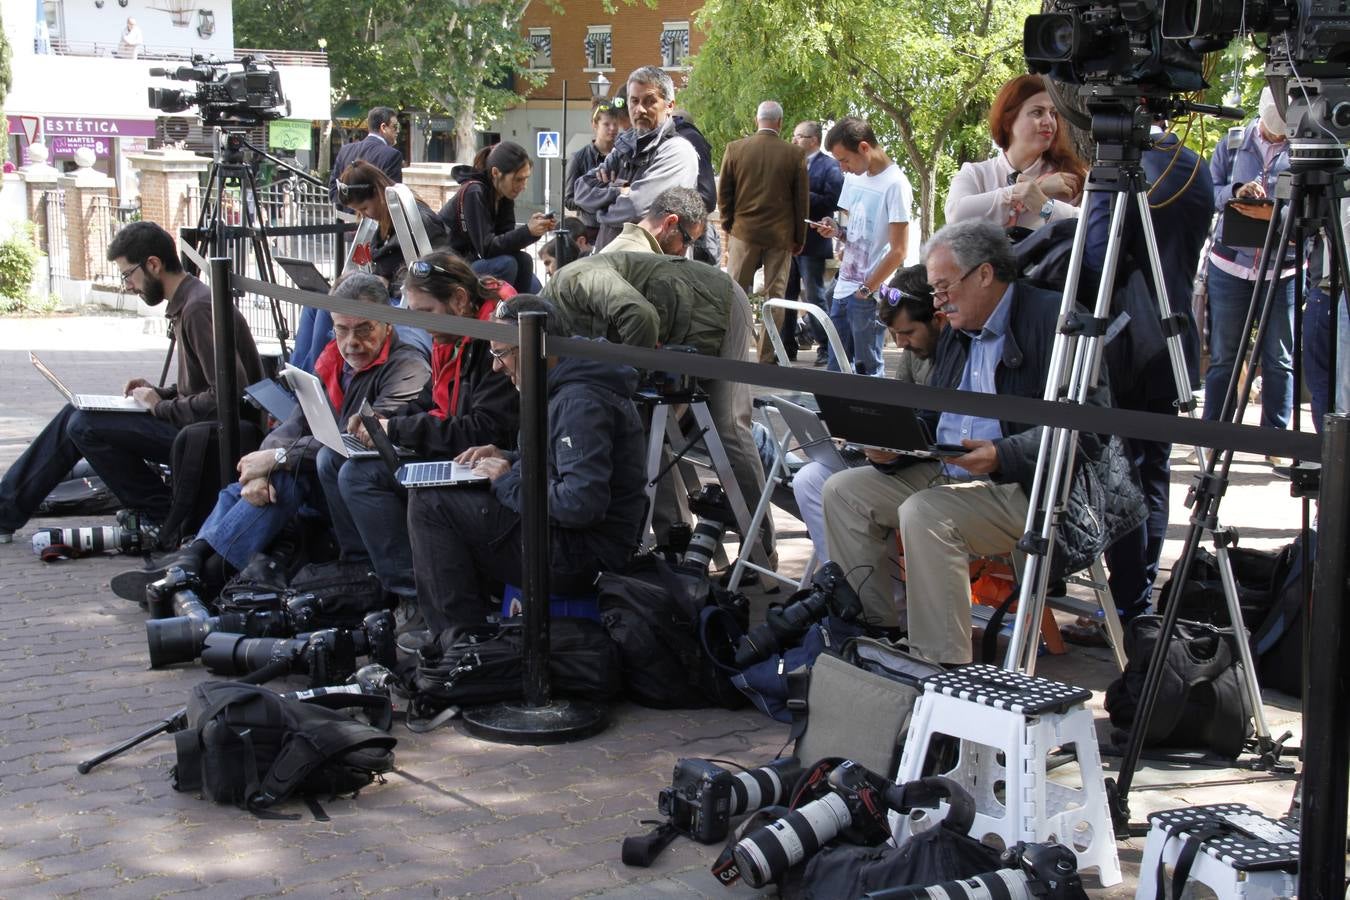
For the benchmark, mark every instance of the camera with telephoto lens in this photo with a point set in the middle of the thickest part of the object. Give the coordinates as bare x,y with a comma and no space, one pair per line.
1031,872
162,599
714,513
703,797
855,805
783,626
246,91
656,384
89,539
327,656
182,637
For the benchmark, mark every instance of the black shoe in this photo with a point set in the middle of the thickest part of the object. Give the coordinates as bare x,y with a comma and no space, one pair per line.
131,584
413,642
821,361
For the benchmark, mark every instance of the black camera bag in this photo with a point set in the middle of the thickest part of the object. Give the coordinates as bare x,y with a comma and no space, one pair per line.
1202,701
250,746
344,592
676,635
486,665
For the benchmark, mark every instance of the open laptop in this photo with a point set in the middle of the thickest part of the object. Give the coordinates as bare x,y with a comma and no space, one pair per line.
304,273
812,437
87,402
882,426
271,396
434,473
322,422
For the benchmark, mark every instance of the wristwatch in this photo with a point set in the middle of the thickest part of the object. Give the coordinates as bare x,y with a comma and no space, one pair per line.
865,293
279,455
1047,208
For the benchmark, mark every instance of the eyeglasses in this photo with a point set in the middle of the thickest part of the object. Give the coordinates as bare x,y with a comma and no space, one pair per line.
893,296
941,292
363,332
501,355
684,235
420,268
126,276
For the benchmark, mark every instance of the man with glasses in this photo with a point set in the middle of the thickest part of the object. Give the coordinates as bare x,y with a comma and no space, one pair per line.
118,444
673,225
467,539
999,342
379,147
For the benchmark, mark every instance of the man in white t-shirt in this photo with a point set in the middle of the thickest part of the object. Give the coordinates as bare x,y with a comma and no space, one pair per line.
876,200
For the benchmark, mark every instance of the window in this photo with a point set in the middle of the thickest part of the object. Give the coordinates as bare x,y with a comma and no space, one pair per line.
674,45
599,48
541,42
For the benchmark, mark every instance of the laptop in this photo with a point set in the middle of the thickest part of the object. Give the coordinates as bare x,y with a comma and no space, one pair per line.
272,397
813,438
882,426
304,273
443,473
322,422
87,402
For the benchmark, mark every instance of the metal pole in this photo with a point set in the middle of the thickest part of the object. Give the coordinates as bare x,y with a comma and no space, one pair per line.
534,504
227,380
1326,712
562,159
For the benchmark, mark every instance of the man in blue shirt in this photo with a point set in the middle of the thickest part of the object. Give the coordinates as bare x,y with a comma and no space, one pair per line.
999,342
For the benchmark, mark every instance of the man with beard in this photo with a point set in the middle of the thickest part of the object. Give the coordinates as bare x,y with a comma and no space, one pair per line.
119,444
646,159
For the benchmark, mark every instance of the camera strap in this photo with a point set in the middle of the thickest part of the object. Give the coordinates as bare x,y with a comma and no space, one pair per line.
642,851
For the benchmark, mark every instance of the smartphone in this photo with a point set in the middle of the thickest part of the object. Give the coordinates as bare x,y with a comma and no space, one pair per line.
821,224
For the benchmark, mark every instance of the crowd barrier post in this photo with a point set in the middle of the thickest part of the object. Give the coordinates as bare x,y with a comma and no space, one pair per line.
1326,695
227,380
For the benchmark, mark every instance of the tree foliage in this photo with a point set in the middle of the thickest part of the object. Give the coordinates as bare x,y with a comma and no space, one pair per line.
921,71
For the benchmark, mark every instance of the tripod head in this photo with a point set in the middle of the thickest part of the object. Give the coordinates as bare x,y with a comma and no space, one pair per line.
230,148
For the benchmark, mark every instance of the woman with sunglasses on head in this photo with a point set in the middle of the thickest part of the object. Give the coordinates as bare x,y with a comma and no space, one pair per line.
605,124
1035,178
466,404
482,216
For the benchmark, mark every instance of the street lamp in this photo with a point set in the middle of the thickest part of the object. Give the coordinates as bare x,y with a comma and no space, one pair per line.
599,87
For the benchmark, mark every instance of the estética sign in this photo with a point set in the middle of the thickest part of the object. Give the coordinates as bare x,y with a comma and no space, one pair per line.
86,126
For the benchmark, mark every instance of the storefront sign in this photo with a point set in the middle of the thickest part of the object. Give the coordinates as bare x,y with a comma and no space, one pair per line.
75,126
67,145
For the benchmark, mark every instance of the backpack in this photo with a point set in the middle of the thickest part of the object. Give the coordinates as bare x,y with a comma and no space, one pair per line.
79,495
250,746
675,632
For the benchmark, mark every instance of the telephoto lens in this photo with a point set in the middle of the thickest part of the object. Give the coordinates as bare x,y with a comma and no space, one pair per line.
703,543
88,539
763,855
179,638
237,654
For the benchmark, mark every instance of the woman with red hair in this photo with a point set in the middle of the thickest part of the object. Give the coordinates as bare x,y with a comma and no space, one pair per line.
1035,179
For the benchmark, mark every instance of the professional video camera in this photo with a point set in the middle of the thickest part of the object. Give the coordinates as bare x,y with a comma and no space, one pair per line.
246,91
327,656
1031,872
703,797
785,625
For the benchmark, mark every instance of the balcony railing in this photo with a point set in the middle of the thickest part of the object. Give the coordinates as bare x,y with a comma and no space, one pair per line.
109,49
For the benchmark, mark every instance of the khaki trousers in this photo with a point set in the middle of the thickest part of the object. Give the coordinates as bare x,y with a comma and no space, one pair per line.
940,526
743,260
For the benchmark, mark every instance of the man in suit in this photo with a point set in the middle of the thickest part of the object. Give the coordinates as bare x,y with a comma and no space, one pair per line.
826,181
764,197
377,147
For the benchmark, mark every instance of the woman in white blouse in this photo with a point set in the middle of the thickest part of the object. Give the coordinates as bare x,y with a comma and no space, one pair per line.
1035,179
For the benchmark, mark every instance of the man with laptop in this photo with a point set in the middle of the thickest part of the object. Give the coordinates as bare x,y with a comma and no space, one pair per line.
118,444
365,362
999,342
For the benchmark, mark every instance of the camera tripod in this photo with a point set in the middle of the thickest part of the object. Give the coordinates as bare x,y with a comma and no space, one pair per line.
1307,199
213,236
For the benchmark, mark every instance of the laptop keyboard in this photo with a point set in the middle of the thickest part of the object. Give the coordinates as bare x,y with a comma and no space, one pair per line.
354,444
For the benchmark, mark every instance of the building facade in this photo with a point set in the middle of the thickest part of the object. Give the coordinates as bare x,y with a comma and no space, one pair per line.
573,51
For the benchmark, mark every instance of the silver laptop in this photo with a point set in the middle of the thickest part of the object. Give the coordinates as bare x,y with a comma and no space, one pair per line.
442,473
322,422
87,402
812,437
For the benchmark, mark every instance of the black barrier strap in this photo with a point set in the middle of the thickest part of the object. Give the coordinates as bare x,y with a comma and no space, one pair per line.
1167,429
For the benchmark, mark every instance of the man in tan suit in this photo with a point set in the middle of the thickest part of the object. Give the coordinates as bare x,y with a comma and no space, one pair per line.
765,198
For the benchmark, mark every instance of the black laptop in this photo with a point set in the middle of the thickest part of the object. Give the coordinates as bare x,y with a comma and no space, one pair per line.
304,273
882,426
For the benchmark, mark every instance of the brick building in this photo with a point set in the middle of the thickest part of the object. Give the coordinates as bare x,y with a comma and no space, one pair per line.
578,46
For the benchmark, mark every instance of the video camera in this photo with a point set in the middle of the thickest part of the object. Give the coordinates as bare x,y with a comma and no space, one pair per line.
327,656
246,91
784,626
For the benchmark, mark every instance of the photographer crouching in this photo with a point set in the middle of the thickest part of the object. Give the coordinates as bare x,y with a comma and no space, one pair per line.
463,538
999,342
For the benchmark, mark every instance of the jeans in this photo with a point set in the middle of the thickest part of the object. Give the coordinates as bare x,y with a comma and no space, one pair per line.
369,511
116,444
861,333
517,269
237,530
464,541
1317,374
1229,299
808,489
812,271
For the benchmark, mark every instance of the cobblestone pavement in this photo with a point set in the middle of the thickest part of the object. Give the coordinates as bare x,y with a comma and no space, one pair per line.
458,817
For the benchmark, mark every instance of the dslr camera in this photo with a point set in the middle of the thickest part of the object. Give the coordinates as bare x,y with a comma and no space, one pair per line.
829,593
703,797
665,385
327,656
246,91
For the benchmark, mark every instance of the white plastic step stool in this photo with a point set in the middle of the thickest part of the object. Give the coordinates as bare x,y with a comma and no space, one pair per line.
1008,724
1252,857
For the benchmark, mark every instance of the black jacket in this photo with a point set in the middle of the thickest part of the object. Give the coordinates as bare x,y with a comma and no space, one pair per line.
596,460
582,161
707,184
373,149
488,412
478,231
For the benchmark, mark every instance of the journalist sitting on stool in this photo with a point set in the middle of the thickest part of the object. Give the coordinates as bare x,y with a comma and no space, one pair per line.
467,539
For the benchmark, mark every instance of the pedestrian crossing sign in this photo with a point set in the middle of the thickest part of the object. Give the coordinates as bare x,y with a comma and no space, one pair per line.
546,145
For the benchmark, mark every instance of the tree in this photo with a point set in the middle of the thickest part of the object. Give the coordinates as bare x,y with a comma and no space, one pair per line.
921,71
